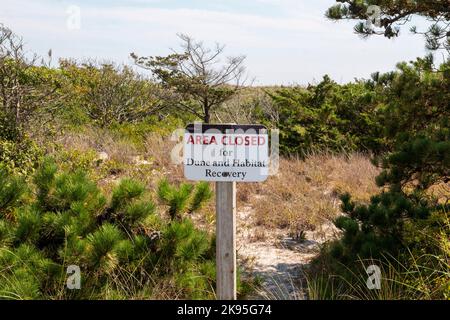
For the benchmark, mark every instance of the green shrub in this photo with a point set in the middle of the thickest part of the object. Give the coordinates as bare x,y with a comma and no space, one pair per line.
120,243
422,273
74,159
185,198
11,190
108,93
126,191
366,115
175,198
137,133
395,227
19,157
327,116
28,269
202,193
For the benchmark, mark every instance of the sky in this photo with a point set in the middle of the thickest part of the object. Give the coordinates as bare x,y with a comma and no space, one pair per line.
286,42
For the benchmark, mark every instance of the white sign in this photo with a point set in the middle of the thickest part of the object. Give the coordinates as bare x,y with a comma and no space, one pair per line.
226,152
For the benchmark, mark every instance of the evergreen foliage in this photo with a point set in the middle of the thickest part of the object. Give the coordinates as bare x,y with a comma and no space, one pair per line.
178,198
328,116
406,215
196,80
66,220
11,190
202,194
387,17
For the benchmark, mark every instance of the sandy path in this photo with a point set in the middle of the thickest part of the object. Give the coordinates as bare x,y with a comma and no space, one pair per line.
276,259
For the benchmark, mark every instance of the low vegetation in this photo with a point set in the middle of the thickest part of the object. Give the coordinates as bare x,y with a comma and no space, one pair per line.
310,199
86,177
126,245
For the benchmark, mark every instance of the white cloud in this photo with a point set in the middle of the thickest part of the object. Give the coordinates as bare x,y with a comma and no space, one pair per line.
296,46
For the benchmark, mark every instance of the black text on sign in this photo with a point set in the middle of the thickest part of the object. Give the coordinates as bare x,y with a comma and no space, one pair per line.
226,153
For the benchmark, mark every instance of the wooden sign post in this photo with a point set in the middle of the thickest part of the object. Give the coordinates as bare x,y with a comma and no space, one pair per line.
226,240
226,154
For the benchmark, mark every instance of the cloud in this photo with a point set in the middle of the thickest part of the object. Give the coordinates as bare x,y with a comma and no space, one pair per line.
285,40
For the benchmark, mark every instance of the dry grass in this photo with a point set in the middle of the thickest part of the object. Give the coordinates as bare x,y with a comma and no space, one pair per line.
148,163
118,149
304,194
159,150
441,192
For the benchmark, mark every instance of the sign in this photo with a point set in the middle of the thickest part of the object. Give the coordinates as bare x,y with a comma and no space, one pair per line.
224,152
227,154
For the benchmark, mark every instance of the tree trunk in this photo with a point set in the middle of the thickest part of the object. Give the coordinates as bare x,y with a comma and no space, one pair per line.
18,107
207,116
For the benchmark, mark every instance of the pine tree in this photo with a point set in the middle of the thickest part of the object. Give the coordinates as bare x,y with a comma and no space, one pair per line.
11,190
118,244
417,121
202,194
387,17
